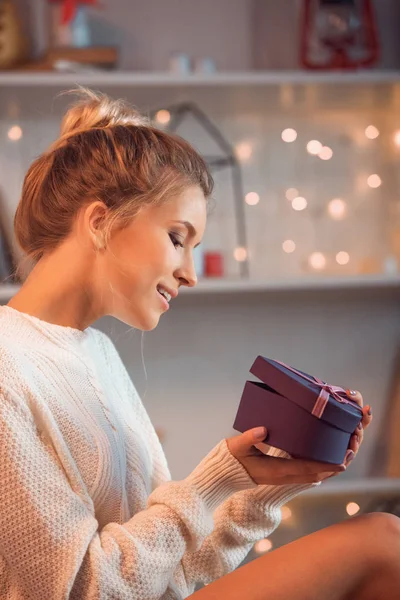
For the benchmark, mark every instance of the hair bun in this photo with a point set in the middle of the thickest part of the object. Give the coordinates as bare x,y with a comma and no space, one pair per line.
97,110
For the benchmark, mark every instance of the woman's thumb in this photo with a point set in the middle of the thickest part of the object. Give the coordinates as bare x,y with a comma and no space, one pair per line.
258,434
239,445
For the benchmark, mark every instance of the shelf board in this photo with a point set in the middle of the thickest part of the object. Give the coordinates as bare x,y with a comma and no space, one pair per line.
219,79
355,487
233,286
208,286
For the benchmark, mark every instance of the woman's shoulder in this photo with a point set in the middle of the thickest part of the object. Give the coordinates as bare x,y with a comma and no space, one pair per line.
10,354
15,378
17,370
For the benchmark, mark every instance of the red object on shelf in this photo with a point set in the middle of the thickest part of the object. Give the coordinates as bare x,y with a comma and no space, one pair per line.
213,264
69,8
338,34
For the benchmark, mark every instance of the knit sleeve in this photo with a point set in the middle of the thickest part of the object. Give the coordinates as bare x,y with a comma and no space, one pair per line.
239,522
51,539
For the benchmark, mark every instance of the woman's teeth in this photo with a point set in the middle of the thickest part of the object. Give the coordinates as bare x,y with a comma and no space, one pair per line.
166,295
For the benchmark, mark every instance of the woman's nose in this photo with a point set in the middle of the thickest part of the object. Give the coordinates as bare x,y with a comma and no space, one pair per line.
189,280
187,274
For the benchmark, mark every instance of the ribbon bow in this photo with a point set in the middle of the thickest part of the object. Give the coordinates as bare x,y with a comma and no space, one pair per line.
326,391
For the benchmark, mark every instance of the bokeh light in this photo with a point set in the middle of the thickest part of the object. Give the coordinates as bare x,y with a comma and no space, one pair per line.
240,254
314,147
289,135
243,151
342,258
286,513
291,193
289,246
252,198
371,132
352,508
326,153
262,546
374,181
299,203
337,209
317,260
14,133
163,116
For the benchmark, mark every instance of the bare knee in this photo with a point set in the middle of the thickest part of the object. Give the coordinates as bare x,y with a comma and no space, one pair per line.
380,532
381,523
379,537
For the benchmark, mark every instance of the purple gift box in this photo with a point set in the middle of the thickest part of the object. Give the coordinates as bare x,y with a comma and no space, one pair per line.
304,416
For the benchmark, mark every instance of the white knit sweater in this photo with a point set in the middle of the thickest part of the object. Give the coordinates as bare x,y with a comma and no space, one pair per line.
87,506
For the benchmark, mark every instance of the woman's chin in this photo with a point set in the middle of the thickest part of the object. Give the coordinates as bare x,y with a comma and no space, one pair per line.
143,322
150,325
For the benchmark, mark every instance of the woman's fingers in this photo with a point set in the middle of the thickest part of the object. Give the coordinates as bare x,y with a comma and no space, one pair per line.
313,478
367,417
356,396
300,467
354,443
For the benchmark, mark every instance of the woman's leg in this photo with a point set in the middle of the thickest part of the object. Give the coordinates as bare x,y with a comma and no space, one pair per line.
357,559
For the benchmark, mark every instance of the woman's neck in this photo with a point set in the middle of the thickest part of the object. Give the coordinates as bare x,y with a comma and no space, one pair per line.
59,290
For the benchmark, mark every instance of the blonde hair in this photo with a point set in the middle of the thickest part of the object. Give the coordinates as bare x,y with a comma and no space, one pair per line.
106,151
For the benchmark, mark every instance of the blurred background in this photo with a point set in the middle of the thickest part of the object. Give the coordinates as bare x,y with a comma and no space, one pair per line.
295,105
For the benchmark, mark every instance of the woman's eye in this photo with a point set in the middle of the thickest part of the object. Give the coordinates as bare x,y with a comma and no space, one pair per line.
175,241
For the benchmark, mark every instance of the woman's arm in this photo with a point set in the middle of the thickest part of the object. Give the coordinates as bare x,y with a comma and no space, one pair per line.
50,538
243,519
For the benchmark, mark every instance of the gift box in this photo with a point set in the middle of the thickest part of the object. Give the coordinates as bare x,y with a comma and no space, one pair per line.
304,416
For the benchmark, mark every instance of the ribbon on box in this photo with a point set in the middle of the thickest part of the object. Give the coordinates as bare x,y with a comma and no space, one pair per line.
326,390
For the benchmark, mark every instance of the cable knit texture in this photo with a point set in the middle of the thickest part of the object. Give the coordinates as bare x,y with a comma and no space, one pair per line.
87,506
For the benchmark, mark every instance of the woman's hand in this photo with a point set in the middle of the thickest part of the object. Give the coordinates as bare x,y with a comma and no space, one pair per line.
358,436
271,470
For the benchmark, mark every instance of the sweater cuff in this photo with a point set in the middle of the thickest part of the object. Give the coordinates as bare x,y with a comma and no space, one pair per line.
218,476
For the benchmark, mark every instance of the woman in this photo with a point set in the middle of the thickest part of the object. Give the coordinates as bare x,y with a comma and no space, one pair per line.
109,216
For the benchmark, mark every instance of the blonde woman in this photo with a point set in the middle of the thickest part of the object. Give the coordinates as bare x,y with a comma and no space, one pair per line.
108,218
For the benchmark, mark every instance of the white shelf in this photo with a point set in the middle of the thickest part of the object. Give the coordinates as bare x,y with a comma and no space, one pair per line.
355,487
221,79
208,286
7,291
233,286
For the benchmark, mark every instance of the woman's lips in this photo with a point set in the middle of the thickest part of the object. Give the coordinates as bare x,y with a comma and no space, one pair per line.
163,300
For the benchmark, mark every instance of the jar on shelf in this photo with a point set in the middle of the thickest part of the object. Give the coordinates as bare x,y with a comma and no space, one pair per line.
213,264
69,25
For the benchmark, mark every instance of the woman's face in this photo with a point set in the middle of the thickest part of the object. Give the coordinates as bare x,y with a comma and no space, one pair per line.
153,252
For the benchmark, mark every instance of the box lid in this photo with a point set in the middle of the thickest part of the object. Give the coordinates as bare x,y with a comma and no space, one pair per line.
324,401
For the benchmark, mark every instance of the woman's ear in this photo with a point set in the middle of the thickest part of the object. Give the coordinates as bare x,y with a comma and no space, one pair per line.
94,218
